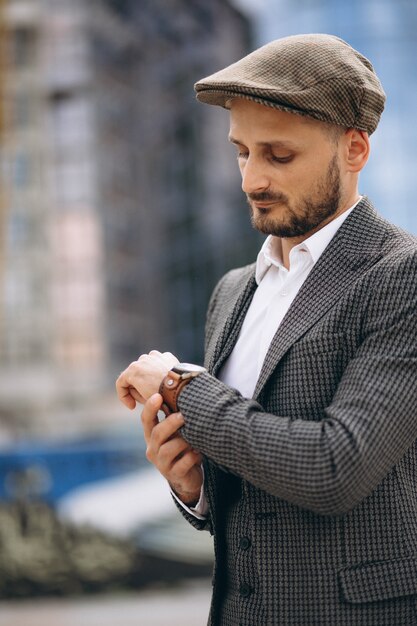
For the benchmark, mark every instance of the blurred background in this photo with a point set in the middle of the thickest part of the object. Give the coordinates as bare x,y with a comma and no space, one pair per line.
120,208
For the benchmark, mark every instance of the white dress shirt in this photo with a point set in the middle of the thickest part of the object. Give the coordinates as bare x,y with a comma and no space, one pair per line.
277,288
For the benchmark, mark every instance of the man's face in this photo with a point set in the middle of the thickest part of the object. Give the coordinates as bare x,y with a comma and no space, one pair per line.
289,166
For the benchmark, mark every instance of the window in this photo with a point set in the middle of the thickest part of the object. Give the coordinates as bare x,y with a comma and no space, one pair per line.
21,170
21,111
23,45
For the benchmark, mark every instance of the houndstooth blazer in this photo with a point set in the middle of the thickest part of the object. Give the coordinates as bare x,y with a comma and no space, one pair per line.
312,484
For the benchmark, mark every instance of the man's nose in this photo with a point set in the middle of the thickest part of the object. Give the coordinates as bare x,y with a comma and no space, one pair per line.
254,178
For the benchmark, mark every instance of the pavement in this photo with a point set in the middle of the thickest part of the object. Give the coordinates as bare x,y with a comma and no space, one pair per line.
185,605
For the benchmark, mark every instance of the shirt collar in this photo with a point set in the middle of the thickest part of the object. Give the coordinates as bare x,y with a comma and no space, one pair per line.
271,252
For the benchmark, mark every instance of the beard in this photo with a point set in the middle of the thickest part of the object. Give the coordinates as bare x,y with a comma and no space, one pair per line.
322,203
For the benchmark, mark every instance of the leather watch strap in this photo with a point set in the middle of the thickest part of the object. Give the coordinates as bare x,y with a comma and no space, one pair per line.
171,387
169,390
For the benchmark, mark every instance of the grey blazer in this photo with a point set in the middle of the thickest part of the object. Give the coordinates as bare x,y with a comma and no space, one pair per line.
312,484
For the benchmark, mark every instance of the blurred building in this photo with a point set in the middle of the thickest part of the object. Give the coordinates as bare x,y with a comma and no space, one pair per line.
120,202
167,244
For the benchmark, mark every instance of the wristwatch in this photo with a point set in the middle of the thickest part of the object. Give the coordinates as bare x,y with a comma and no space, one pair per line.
175,381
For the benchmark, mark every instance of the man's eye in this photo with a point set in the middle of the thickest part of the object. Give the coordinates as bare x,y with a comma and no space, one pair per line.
242,155
281,159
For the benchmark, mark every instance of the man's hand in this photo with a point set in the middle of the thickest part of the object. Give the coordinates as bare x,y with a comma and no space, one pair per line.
143,377
170,453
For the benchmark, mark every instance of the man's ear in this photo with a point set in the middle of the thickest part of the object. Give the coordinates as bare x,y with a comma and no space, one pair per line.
356,149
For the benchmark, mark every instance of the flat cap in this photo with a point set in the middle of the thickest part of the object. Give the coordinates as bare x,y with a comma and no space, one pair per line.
320,76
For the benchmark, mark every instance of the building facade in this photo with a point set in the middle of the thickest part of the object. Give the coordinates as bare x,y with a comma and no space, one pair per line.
120,199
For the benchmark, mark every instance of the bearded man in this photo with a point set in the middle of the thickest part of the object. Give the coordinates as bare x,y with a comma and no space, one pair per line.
297,446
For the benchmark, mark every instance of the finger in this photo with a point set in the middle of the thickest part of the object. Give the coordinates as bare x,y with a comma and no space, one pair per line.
167,358
169,354
136,395
169,453
184,464
123,391
159,434
166,429
149,415
170,359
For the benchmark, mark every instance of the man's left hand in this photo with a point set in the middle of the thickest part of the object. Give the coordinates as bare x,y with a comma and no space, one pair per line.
143,377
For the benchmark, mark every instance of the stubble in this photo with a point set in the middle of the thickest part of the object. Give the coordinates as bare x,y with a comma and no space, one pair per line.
310,212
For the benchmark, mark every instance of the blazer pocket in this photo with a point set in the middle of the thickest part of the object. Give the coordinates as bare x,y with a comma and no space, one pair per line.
379,581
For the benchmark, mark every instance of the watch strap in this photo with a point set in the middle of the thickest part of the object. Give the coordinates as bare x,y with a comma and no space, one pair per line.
171,387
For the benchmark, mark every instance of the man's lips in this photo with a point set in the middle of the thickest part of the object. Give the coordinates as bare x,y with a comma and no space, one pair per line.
265,206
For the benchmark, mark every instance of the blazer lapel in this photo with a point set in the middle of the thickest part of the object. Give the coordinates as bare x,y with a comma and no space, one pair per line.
228,333
356,246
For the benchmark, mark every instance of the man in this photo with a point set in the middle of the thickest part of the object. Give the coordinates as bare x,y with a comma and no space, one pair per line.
297,448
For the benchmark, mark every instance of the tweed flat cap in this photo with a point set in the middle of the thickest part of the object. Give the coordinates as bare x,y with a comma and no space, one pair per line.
320,76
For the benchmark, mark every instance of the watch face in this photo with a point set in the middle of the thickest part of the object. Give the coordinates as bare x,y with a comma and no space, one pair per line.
188,368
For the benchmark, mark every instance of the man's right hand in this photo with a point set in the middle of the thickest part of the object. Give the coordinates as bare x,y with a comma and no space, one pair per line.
170,453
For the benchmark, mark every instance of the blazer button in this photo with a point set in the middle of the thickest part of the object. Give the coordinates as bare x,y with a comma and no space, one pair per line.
244,543
245,590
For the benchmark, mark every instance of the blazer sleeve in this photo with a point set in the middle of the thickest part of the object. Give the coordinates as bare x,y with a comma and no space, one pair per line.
327,466
193,520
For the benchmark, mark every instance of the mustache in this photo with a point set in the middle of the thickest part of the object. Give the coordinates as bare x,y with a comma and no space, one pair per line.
267,196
